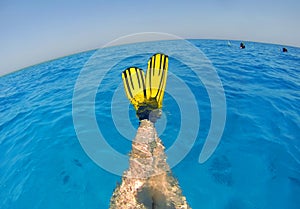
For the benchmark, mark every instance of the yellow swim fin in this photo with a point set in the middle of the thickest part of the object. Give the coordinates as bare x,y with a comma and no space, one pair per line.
156,78
146,93
134,85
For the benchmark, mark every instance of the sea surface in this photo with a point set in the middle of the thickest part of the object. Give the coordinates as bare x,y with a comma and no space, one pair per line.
256,165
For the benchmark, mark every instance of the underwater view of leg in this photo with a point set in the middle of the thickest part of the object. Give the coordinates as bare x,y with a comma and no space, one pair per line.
148,183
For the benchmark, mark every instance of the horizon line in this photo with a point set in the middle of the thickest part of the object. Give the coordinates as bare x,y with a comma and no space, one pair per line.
122,44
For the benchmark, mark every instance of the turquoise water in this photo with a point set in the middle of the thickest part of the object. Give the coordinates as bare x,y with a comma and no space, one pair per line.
256,165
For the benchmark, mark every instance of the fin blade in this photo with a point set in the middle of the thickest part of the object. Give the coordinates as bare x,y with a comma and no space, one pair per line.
134,85
156,77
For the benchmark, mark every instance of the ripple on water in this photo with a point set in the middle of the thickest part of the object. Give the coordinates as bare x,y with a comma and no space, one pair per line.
256,165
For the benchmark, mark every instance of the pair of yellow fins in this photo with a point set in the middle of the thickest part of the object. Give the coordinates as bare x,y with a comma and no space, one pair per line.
146,92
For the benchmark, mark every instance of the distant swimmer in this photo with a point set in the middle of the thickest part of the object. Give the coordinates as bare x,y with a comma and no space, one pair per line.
242,45
148,182
284,49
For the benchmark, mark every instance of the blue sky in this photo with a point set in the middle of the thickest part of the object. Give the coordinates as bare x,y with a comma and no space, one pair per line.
34,31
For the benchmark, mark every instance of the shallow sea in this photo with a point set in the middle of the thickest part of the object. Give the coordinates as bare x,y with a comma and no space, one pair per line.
256,165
